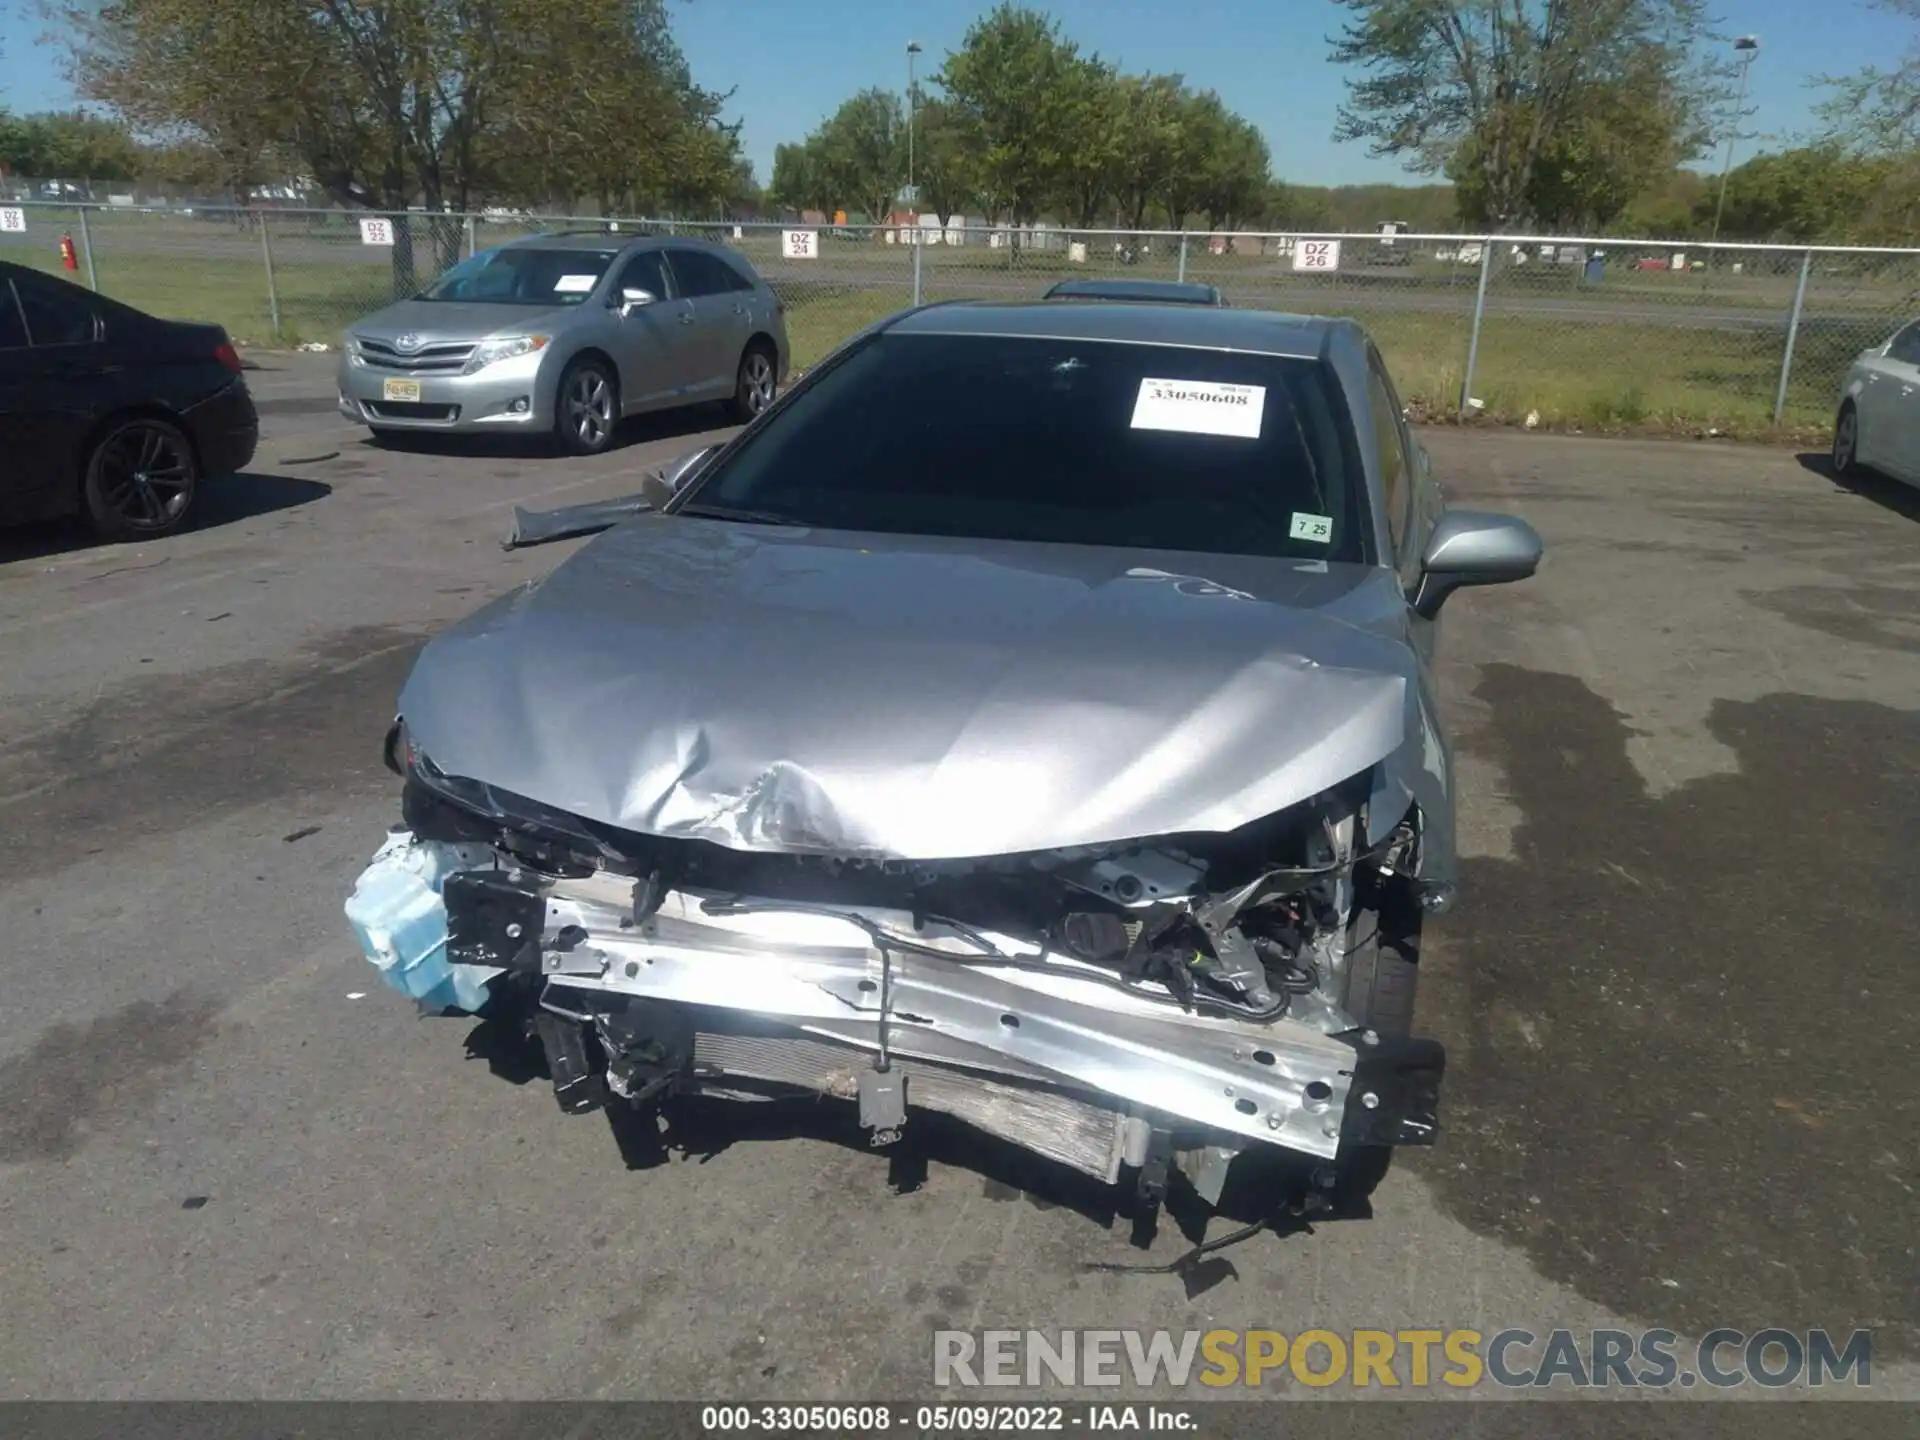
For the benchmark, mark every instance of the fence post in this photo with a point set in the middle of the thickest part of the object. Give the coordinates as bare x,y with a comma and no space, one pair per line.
86,251
918,238
273,290
467,225
1793,334
1183,257
1479,313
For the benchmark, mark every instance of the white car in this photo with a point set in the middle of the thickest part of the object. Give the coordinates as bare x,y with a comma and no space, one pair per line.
1879,421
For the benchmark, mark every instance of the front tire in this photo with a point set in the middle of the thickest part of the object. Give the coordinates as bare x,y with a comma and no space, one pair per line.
1383,965
140,479
1846,441
586,408
1382,976
755,383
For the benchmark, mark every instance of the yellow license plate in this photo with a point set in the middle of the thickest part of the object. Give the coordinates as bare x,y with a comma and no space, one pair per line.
403,390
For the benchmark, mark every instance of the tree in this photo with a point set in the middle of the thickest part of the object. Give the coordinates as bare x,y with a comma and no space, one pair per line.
1297,208
1508,79
1234,174
1876,114
1087,107
68,145
392,103
635,133
1200,126
942,161
1815,194
1668,207
856,159
861,152
1879,109
797,182
208,73
1148,111
1016,90
1618,141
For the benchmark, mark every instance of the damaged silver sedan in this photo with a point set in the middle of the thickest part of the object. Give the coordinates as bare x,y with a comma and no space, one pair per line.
1028,718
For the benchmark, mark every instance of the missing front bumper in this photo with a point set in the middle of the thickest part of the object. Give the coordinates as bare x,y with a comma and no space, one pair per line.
671,995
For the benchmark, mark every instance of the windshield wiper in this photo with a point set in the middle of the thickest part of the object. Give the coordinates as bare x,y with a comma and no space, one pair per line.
728,512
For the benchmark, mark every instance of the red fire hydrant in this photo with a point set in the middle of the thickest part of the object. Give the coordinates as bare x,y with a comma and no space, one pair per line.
69,257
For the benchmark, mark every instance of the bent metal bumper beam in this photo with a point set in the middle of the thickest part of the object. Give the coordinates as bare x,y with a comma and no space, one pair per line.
1283,1083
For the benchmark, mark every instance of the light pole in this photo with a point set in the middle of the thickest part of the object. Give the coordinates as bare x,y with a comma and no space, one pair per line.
1746,47
913,49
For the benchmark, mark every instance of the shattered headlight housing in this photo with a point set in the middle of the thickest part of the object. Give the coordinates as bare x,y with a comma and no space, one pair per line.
504,347
453,808
397,752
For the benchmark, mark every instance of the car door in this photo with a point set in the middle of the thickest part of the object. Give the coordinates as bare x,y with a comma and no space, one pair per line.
29,468
70,378
648,340
1410,503
1899,409
1403,472
720,320
1874,386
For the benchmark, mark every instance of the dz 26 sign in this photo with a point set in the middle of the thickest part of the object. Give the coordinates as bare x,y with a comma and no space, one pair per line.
1316,255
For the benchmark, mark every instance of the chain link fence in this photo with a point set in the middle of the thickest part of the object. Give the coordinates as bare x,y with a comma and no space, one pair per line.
1600,334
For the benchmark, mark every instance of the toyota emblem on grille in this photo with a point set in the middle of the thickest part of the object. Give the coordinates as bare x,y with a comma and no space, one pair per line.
408,342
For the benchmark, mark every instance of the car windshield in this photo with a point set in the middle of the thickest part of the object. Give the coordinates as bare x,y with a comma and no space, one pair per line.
1083,442
524,275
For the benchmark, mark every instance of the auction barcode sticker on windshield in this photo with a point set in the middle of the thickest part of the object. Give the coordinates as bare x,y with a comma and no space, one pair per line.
575,284
1311,527
1200,407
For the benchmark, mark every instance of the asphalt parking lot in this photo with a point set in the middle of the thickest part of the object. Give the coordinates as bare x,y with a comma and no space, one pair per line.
1678,995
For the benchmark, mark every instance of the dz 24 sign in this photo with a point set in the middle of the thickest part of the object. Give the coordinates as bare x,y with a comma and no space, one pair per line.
1316,255
801,244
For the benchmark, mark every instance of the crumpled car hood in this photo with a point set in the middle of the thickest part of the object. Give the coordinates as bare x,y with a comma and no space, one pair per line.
794,690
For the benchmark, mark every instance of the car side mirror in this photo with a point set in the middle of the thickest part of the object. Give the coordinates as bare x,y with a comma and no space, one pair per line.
674,473
1473,547
633,298
661,485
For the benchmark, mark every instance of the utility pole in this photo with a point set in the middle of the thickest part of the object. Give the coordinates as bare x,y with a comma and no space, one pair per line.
1746,47
913,49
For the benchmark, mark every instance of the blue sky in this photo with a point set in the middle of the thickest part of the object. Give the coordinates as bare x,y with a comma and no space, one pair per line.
789,62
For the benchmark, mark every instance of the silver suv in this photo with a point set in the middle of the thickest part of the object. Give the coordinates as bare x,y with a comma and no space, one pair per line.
566,334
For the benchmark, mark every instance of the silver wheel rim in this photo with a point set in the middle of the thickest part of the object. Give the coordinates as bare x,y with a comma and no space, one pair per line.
756,382
1843,441
589,408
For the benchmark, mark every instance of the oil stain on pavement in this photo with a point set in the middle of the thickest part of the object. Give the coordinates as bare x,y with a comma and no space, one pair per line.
116,1064
1681,1029
146,761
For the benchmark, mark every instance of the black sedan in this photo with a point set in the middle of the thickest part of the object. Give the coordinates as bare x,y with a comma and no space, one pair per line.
111,414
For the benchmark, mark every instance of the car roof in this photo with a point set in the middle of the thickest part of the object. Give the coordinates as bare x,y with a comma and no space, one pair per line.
601,240
1170,292
1259,332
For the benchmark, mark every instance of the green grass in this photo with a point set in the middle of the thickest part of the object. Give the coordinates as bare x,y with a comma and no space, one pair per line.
1593,374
